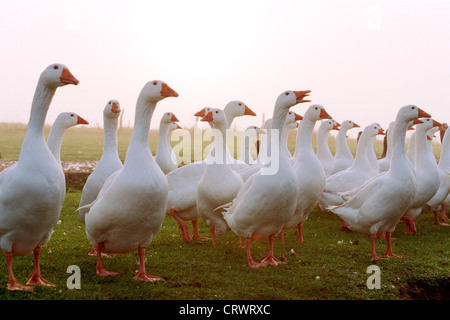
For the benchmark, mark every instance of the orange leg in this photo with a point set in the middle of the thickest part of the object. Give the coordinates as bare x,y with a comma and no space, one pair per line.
444,213
252,263
100,270
182,225
270,258
345,227
410,225
196,234
373,237
389,252
13,285
141,275
239,244
35,276
281,237
212,229
300,233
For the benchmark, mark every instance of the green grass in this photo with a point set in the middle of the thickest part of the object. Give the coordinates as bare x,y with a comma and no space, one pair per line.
330,264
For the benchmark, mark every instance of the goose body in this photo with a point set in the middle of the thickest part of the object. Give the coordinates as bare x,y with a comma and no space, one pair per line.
165,156
426,171
308,169
109,161
267,199
130,207
220,183
343,157
32,192
356,175
377,207
183,181
440,199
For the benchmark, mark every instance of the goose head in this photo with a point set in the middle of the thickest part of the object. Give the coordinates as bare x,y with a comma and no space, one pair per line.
254,129
174,126
156,90
329,124
290,98
291,120
411,112
238,108
431,132
57,75
316,112
112,109
168,118
202,112
215,117
69,119
428,123
373,129
348,124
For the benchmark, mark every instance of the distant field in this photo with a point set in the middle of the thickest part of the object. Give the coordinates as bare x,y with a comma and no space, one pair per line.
86,144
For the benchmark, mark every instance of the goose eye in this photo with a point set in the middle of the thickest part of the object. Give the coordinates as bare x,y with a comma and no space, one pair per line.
72,115
55,67
287,93
240,104
217,111
413,108
316,108
155,83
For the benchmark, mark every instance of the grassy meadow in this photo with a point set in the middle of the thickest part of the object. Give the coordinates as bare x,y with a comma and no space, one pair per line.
330,265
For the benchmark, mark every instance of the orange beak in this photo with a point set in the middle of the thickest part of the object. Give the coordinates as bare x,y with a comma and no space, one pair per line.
429,138
417,121
68,78
115,107
411,128
200,113
249,112
298,117
208,117
167,91
423,114
381,131
299,95
355,125
324,114
436,124
174,119
178,127
336,127
80,120
261,131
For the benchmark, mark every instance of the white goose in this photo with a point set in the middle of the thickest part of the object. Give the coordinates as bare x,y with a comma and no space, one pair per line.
268,199
183,181
323,150
220,183
377,207
427,174
32,192
356,175
63,122
310,174
438,202
130,207
108,163
343,157
164,152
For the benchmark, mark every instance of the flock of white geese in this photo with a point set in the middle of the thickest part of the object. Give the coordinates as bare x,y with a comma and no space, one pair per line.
123,205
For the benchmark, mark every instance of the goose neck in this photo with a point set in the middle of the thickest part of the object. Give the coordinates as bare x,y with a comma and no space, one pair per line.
54,141
110,127
304,137
323,151
398,153
342,148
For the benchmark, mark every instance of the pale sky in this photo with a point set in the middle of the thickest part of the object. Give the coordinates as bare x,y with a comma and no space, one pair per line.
363,60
